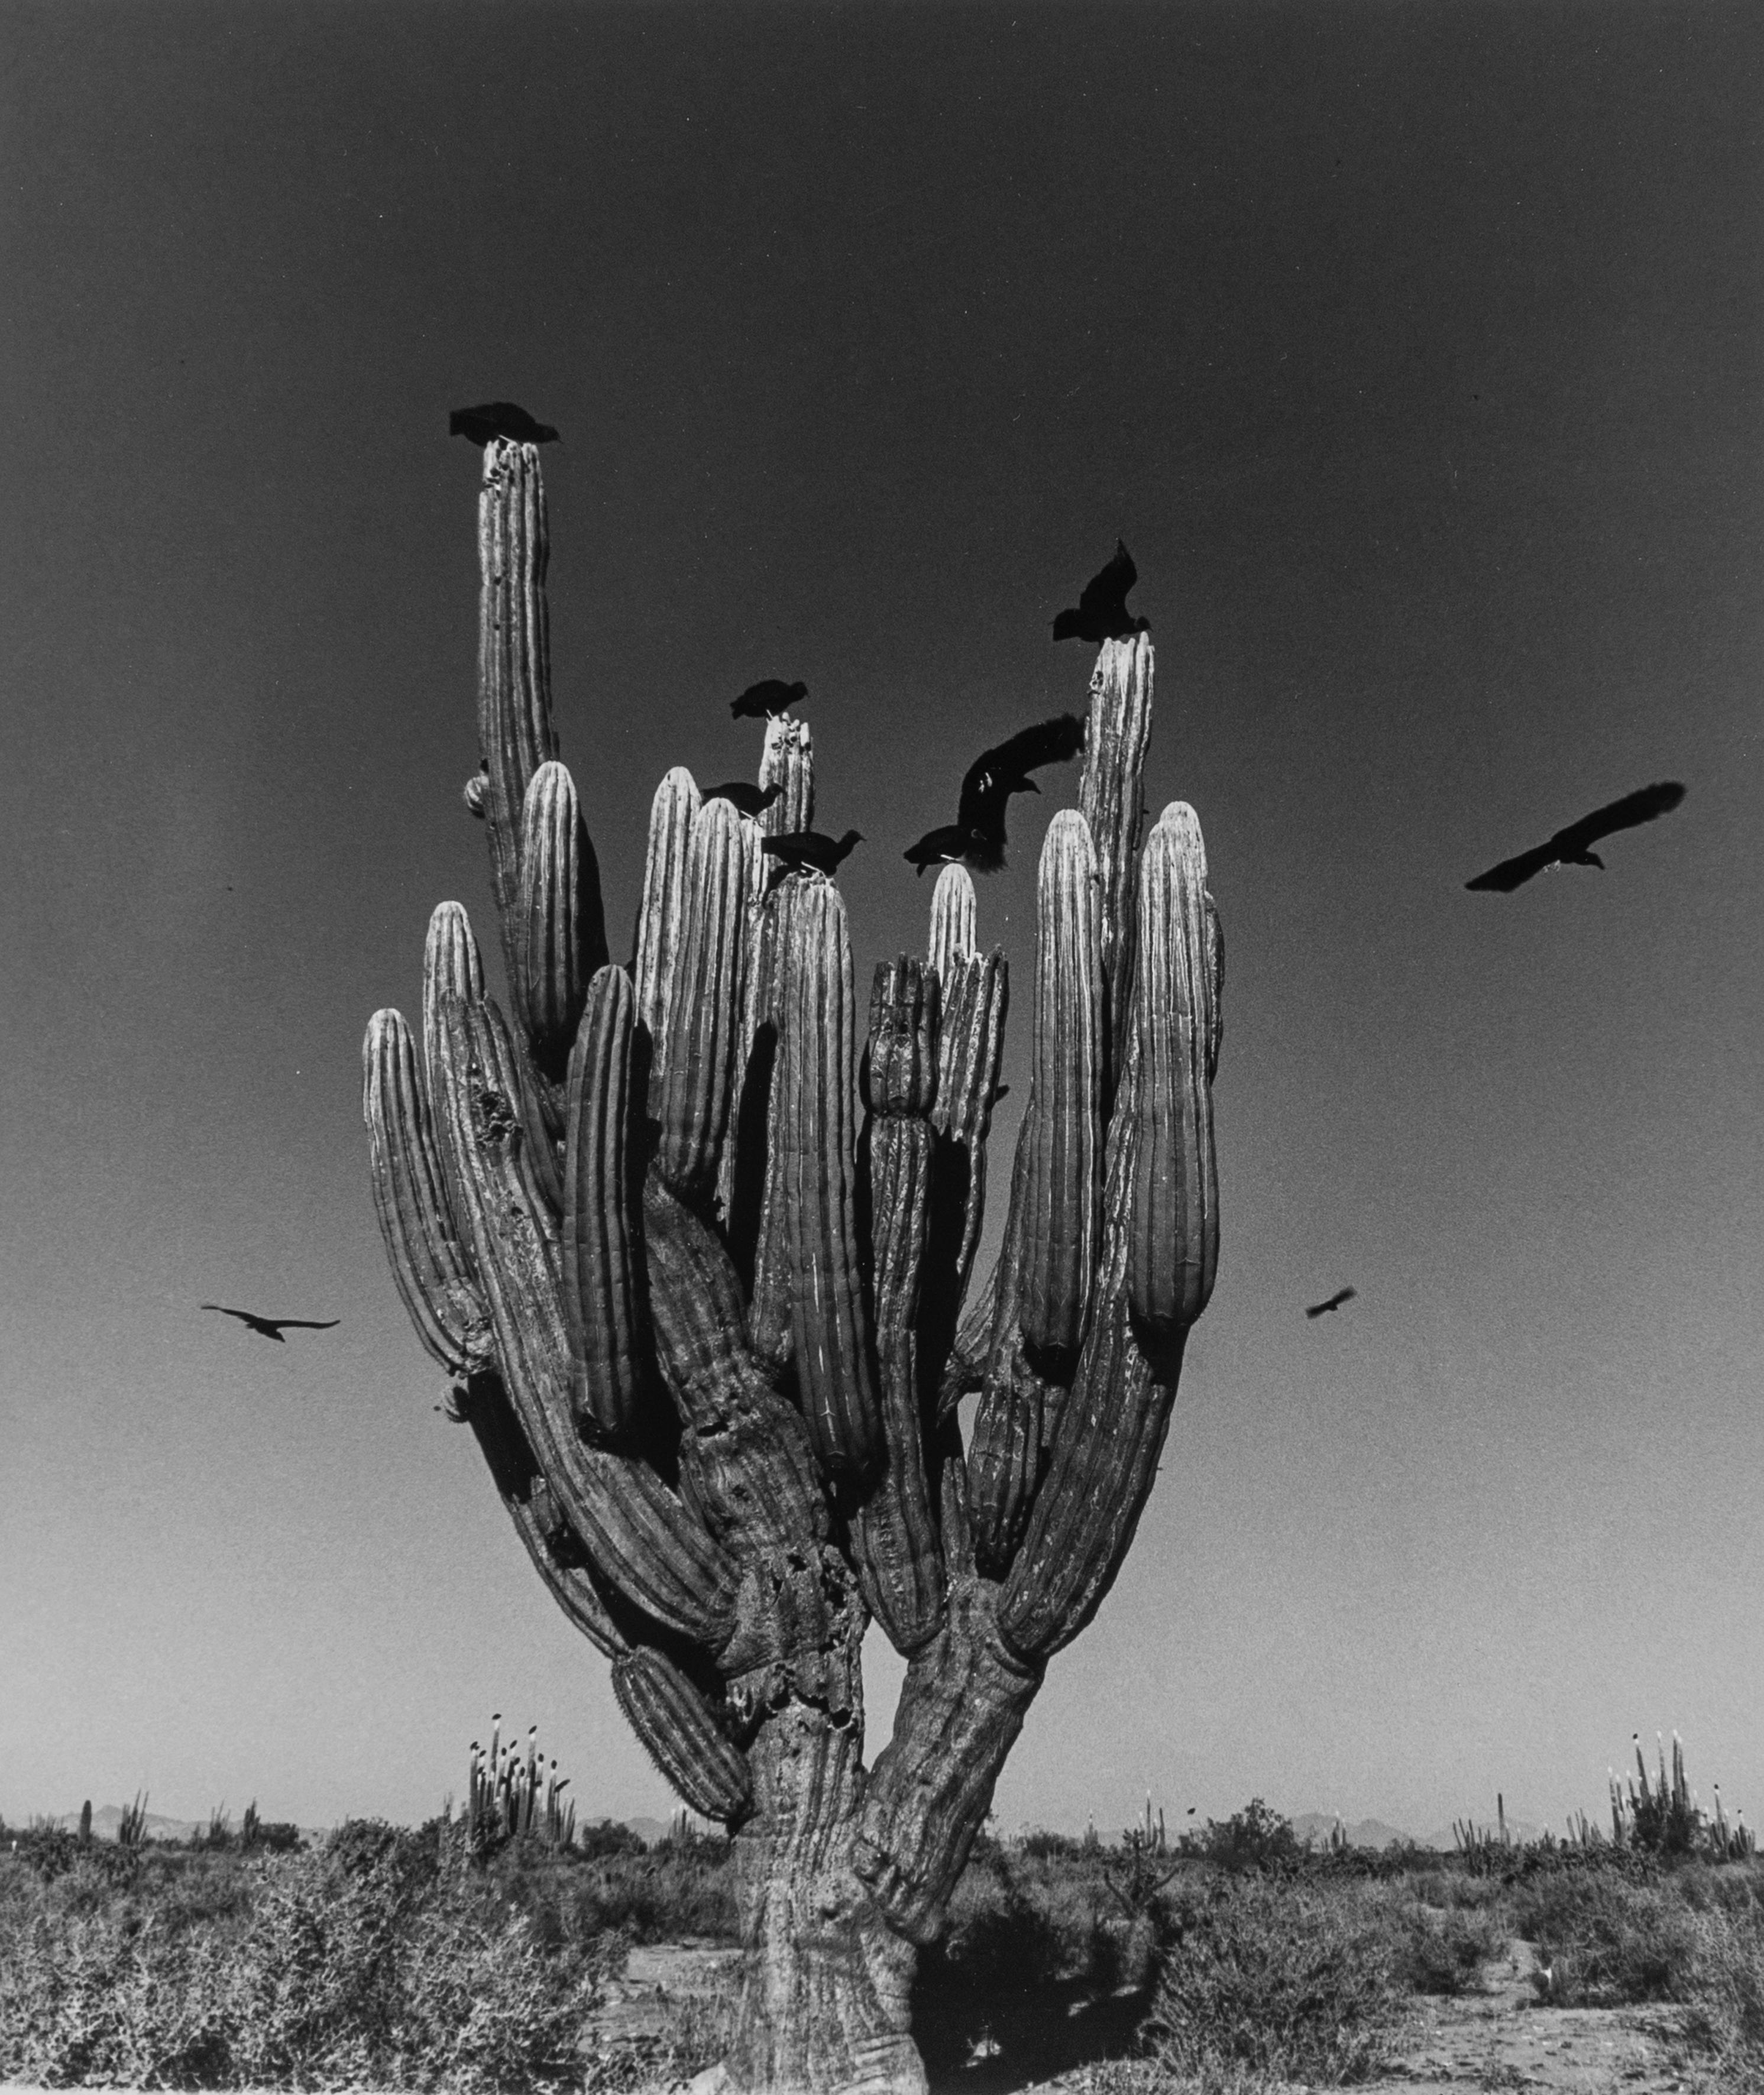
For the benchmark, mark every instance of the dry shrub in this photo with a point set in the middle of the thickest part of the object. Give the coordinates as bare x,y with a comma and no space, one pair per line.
1272,1977
1603,1939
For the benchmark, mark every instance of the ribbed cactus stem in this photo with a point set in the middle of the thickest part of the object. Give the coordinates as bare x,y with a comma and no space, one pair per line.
514,730
813,1125
452,966
788,760
1173,1228
561,937
952,919
894,1533
676,1721
661,917
601,1254
1112,798
1063,1182
739,1217
429,1263
702,1011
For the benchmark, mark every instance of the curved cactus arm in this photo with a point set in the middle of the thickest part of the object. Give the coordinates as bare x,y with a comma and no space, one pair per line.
685,1737
788,760
429,1263
952,920
1112,798
661,914
640,1537
514,730
1063,1183
894,1535
601,1249
696,1049
1172,1222
557,1554
746,1460
830,1337
964,1369
561,930
962,1705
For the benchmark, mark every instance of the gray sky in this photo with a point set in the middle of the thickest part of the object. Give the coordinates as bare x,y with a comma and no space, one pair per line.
1415,351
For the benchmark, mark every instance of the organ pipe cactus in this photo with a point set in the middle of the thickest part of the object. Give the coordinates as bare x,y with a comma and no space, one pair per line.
701,1275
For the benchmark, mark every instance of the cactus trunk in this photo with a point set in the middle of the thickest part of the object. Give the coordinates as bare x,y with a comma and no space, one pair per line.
714,1344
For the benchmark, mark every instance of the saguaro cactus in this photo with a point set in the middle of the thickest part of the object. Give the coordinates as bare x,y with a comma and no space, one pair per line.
712,1336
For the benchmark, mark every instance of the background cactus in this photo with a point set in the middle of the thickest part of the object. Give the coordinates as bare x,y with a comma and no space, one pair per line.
712,1335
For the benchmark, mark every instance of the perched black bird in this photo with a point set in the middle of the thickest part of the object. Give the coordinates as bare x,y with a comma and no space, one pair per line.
499,418
748,799
809,847
272,1327
1573,846
1102,608
976,838
766,699
1334,1302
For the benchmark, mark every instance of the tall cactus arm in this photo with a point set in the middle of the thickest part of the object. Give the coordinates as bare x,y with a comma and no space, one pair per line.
452,966
601,1251
662,913
952,920
1063,1185
788,760
1172,1225
561,934
976,993
697,1048
1216,974
515,729
739,1218
678,1724
894,1535
429,1263
1112,800
640,1537
830,1337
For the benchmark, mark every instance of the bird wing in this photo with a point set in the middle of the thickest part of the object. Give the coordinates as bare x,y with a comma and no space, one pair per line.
303,1323
244,1315
989,777
1647,804
1513,872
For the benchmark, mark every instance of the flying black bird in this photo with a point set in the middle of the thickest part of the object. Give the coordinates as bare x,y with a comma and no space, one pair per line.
1572,845
499,418
748,799
809,847
976,838
272,1327
1102,612
766,699
1334,1302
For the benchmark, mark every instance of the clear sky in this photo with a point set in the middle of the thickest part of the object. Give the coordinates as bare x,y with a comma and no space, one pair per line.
1417,353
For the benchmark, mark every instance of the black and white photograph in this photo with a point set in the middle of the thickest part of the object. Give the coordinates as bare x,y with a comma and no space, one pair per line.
881,1081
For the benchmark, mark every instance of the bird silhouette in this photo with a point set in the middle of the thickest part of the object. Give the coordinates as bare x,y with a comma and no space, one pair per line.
766,699
746,799
272,1327
1101,613
1573,846
808,847
976,838
1334,1302
499,418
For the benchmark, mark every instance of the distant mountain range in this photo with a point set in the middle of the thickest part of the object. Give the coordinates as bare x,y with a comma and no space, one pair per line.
106,1818
1314,1827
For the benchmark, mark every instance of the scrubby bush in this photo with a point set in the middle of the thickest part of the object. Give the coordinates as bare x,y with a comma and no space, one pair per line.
1255,1838
1274,1978
1602,1938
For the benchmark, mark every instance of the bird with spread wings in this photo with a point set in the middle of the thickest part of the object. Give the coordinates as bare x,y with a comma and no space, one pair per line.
272,1327
1573,846
976,838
